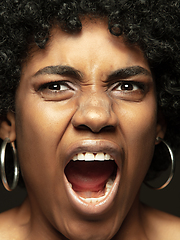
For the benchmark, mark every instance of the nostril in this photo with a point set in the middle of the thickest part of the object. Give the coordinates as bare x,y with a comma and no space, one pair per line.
108,128
82,127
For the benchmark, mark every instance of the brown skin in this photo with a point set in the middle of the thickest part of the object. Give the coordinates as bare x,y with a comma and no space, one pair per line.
47,123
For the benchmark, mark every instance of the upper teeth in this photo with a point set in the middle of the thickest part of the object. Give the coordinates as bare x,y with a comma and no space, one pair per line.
92,156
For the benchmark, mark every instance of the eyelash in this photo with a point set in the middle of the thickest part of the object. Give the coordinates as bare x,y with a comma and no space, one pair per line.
137,85
57,84
61,90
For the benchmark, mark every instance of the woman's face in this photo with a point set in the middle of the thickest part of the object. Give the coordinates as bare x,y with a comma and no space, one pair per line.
86,95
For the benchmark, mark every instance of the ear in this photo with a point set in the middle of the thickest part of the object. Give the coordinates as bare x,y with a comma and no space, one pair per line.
161,126
7,127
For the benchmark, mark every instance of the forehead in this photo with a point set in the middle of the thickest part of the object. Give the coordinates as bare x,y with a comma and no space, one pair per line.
88,50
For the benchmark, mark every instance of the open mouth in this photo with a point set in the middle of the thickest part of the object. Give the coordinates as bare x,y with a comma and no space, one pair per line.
91,175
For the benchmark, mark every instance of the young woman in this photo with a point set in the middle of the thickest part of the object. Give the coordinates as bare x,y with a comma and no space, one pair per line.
88,92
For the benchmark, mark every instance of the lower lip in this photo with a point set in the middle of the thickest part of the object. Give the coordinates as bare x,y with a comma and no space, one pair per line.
93,208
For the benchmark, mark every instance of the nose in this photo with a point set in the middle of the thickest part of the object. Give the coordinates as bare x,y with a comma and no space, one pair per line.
95,112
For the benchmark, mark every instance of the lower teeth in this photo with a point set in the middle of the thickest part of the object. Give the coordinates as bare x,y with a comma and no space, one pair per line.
108,187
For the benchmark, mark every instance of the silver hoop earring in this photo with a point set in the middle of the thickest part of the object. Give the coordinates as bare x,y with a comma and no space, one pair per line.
172,167
16,165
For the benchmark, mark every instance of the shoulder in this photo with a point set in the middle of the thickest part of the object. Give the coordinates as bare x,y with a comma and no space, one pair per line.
8,224
162,225
14,223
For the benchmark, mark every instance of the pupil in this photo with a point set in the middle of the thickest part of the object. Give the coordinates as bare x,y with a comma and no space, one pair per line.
127,87
54,87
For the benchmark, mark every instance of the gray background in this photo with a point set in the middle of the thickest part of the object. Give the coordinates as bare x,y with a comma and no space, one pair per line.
167,199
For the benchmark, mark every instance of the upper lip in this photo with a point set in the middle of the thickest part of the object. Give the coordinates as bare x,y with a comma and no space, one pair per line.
95,146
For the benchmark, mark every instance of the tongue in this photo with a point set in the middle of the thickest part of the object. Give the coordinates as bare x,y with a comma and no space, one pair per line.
89,176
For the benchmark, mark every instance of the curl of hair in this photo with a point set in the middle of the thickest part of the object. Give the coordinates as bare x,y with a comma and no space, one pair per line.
153,25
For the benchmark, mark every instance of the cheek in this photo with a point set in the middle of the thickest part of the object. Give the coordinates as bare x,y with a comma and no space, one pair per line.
40,127
138,121
138,127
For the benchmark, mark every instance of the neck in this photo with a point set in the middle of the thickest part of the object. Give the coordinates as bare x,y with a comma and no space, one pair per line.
134,226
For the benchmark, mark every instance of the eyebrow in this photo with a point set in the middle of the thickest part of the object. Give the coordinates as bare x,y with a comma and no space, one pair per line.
60,70
122,73
125,73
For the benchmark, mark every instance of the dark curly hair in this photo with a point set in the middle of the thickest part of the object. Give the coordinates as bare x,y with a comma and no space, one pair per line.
153,25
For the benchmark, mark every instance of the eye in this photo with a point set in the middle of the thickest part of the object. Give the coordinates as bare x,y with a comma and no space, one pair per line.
56,91
130,90
127,86
57,86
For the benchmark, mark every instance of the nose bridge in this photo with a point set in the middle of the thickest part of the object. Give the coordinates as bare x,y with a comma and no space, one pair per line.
95,111
96,106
